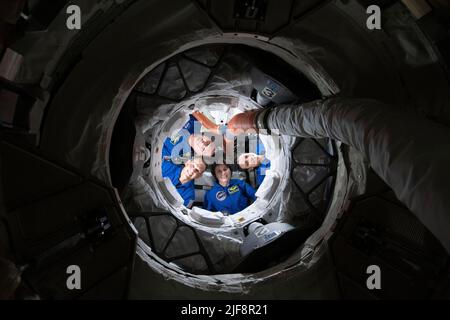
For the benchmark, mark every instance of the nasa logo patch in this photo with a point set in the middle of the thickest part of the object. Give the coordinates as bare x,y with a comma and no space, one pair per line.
221,195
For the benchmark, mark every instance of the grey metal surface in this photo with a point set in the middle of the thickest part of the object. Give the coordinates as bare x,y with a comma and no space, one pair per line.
62,218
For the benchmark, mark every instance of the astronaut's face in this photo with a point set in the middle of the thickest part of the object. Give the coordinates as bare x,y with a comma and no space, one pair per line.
248,161
202,145
223,173
193,169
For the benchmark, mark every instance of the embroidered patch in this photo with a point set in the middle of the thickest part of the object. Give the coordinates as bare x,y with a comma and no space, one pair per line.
221,195
175,139
233,189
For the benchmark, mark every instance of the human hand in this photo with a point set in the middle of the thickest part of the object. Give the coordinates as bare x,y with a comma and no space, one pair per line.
243,123
206,122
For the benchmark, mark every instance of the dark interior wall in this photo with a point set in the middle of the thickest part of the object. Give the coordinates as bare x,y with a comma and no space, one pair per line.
121,152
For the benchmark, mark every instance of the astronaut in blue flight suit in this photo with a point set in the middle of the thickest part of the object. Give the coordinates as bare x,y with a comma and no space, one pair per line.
177,163
183,176
228,195
188,138
255,160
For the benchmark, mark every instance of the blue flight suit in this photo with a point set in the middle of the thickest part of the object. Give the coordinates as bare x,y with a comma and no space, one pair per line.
231,199
186,190
260,172
180,147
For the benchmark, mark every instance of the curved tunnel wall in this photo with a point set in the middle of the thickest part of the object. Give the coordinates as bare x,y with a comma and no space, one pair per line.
98,85
91,96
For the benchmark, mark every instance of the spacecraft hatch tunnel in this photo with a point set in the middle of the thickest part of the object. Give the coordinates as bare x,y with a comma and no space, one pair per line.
199,240
86,113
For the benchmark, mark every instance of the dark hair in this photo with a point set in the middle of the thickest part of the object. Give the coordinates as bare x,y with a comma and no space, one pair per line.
213,169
